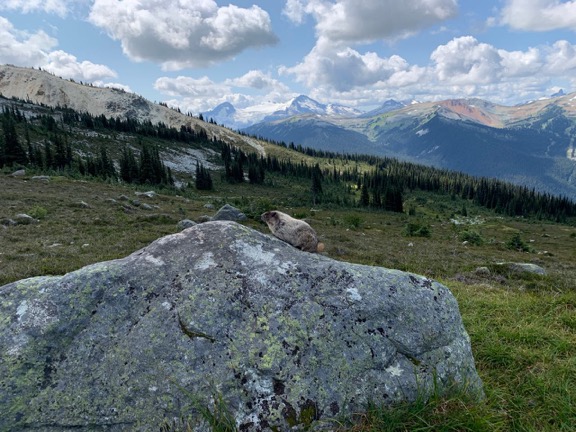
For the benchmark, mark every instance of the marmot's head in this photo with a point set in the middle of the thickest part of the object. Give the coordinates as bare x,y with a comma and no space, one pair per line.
270,217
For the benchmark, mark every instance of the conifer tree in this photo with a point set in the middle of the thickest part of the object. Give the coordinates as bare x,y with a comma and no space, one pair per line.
13,152
203,178
128,166
364,195
48,159
316,187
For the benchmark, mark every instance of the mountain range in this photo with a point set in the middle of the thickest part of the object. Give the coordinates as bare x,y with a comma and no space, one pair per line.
530,144
227,115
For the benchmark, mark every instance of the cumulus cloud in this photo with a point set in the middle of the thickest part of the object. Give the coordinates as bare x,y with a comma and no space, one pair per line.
351,21
37,50
23,48
193,33
465,60
190,87
462,67
66,65
58,7
259,80
202,94
539,15
117,86
335,65
346,69
294,10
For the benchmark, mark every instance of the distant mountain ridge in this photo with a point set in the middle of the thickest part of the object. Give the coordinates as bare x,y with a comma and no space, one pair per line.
226,114
531,144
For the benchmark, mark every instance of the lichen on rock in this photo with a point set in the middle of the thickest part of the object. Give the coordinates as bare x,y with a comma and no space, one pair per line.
284,336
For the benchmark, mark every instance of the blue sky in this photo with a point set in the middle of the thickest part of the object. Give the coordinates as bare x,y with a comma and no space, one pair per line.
195,54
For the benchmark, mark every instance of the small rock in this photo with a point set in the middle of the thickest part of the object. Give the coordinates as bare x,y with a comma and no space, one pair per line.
524,268
149,194
185,223
209,206
24,219
145,206
43,178
8,222
229,213
123,198
111,200
482,271
18,173
136,203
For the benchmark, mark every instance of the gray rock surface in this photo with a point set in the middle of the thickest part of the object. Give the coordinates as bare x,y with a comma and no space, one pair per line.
24,219
524,268
223,311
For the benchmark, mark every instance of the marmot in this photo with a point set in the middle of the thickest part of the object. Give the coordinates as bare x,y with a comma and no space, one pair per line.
294,231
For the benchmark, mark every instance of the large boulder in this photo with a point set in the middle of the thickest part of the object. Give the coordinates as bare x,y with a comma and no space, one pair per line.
221,312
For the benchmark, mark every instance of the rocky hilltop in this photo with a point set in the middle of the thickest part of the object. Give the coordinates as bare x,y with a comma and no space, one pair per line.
42,88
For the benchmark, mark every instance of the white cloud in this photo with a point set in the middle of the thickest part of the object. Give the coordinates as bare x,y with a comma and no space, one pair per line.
183,86
353,21
117,86
539,15
346,69
463,67
66,65
37,49
202,94
23,48
295,11
560,58
466,61
58,7
182,34
256,79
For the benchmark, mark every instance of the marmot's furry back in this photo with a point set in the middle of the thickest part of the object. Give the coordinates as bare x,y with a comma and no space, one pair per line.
294,231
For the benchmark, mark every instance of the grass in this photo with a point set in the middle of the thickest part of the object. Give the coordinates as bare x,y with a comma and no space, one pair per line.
522,327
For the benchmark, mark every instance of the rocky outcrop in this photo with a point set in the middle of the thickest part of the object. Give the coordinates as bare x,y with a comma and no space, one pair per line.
223,312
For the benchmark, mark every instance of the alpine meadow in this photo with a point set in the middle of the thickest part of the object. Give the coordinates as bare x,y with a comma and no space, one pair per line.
83,183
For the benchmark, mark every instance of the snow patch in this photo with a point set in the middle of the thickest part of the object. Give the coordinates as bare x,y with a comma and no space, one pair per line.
422,132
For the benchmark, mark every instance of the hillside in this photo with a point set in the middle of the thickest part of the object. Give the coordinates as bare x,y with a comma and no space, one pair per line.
41,88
